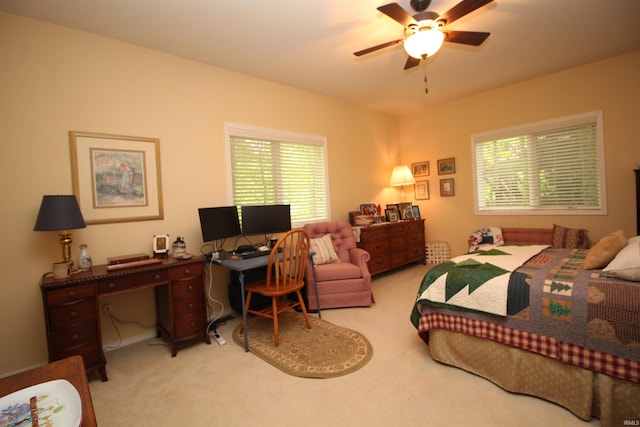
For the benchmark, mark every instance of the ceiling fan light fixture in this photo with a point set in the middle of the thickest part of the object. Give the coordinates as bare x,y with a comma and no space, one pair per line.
424,43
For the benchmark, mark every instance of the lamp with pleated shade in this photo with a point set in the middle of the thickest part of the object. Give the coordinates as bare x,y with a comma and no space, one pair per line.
401,176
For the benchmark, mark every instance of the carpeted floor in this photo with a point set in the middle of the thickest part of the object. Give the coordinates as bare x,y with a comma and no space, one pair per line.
324,351
212,385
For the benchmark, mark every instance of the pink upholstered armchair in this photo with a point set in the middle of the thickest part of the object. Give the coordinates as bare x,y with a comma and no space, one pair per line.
346,283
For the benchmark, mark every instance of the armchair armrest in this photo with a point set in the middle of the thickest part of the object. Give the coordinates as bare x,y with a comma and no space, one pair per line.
360,257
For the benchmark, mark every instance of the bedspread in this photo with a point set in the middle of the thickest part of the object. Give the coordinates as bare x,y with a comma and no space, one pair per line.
581,317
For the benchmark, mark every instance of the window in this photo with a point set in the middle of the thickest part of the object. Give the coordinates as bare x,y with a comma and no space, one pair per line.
553,167
275,167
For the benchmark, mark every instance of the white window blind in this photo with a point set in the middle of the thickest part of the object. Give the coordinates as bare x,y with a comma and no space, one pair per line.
277,167
551,167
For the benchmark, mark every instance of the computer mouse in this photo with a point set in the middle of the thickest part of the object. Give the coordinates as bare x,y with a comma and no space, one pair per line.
263,248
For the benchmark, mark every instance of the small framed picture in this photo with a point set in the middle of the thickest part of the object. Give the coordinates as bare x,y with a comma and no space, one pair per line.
405,211
160,243
420,169
416,211
391,214
447,166
394,206
421,190
446,188
368,209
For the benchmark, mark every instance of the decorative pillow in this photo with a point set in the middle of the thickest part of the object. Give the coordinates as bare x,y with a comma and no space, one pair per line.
573,238
626,265
324,252
605,250
484,236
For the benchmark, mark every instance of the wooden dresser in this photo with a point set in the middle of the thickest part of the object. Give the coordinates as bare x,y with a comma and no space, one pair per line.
393,244
72,308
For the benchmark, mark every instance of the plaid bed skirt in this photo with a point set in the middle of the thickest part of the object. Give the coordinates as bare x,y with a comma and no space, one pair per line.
608,364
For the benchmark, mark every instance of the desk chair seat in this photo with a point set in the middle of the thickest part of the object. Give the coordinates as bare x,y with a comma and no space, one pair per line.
285,275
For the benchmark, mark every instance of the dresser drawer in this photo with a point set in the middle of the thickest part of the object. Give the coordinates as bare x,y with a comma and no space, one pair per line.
182,272
374,233
71,313
188,309
118,284
73,293
187,288
91,354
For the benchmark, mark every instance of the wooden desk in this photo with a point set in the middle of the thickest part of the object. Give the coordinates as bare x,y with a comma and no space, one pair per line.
71,369
72,308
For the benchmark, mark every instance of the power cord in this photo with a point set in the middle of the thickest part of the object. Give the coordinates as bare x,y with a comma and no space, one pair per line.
115,320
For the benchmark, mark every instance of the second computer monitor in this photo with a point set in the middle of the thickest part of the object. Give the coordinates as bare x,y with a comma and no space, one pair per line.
265,219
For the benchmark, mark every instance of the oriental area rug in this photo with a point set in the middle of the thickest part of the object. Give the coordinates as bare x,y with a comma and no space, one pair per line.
324,351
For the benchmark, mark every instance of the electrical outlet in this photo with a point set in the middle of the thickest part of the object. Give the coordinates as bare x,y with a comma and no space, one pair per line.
106,309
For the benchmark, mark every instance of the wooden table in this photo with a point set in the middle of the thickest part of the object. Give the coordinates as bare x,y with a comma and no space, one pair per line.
71,369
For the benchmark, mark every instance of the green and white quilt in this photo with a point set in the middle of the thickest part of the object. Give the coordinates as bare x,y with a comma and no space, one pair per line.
478,281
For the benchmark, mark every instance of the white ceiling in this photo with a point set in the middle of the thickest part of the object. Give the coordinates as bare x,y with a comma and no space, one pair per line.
309,44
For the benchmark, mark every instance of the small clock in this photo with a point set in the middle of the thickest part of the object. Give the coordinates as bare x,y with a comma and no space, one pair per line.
161,244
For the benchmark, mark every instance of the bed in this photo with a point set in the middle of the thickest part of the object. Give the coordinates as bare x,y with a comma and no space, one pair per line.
551,329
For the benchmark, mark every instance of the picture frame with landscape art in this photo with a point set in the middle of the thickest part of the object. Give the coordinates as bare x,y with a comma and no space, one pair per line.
447,166
116,178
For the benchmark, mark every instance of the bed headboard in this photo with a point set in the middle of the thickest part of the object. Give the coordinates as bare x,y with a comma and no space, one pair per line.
527,236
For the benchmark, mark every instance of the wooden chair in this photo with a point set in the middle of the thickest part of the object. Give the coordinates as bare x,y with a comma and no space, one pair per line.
285,275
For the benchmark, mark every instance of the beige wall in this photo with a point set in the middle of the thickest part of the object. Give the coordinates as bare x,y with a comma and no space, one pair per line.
54,79
612,86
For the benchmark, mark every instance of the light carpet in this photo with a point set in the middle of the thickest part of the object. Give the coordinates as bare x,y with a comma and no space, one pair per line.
324,351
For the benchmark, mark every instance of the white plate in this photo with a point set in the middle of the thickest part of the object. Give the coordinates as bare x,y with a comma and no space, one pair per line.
58,403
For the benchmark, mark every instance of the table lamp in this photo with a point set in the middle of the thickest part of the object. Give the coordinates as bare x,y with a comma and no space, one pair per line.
60,213
400,177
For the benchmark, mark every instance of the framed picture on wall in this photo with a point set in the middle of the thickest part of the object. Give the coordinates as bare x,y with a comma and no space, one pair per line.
420,169
447,188
447,166
421,190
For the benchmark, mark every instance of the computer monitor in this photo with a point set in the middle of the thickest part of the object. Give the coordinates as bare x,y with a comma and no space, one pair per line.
218,223
265,219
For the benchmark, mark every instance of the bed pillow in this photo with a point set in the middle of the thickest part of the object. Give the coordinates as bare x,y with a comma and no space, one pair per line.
573,238
324,252
605,250
626,265
485,236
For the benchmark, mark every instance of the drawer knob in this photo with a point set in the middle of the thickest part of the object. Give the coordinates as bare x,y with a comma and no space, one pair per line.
192,324
73,315
190,306
157,277
190,287
71,294
187,271
74,337
112,285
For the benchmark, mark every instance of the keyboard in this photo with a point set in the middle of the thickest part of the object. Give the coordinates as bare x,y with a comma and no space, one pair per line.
254,254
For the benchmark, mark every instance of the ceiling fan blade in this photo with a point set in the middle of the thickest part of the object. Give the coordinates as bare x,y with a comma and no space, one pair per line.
473,38
463,8
378,47
411,62
397,13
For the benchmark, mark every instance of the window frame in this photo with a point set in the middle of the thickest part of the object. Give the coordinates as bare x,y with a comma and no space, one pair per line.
540,127
261,133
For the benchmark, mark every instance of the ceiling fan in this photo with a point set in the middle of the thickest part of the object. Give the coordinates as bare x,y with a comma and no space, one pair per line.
425,31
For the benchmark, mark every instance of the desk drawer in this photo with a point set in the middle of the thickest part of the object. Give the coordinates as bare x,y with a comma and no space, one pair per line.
373,233
63,295
184,271
188,288
69,314
144,279
71,337
190,326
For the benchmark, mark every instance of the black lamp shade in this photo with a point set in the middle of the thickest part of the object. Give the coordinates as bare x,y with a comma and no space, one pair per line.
59,213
